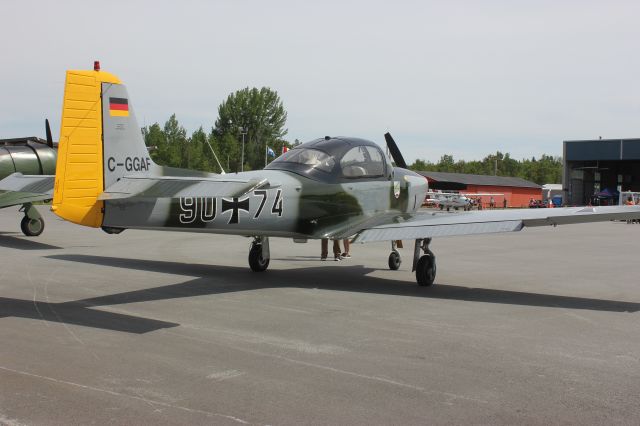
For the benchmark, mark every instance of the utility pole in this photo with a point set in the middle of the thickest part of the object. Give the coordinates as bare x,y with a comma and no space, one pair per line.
243,131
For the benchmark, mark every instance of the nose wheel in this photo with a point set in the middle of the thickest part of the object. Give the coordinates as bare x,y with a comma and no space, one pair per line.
259,254
394,258
424,265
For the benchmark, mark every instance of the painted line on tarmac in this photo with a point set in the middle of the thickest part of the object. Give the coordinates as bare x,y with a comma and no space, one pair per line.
114,393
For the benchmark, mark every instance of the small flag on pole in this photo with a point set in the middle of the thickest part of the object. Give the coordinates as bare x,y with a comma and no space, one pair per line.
270,152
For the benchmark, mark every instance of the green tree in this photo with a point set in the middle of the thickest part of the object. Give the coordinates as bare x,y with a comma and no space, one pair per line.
196,154
421,166
262,115
156,142
446,164
176,152
227,149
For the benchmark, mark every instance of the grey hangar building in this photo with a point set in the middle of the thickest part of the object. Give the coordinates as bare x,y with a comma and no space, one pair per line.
593,166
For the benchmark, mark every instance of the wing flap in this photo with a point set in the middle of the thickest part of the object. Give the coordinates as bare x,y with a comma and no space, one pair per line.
430,231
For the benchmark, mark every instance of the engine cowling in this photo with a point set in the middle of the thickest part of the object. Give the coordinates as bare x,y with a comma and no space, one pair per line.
29,157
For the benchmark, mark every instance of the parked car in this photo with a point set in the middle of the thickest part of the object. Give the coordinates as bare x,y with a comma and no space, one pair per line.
537,204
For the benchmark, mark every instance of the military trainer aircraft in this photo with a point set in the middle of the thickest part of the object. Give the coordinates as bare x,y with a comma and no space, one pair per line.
332,187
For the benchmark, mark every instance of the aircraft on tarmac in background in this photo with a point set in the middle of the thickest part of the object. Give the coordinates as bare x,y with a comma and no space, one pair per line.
332,187
26,170
457,200
27,176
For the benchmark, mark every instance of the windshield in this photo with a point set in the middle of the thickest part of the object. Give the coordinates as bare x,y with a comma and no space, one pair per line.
311,158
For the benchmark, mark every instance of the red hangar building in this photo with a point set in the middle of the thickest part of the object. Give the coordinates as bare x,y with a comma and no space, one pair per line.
518,192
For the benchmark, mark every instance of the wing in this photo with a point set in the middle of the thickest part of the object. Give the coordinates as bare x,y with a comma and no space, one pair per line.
159,187
427,225
20,189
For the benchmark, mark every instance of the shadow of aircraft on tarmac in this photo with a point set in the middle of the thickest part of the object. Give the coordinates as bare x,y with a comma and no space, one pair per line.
78,313
214,279
23,243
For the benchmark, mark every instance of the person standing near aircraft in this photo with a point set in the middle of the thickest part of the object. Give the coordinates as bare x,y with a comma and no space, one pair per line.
346,253
337,256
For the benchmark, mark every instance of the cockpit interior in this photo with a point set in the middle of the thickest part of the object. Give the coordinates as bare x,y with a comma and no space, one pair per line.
336,160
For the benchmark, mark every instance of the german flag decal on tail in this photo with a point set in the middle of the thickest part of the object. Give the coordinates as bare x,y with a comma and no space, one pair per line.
119,107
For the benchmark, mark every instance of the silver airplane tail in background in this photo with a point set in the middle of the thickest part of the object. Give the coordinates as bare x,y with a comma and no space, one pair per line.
100,142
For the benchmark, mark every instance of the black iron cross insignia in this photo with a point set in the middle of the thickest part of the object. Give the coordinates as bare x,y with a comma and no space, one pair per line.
235,205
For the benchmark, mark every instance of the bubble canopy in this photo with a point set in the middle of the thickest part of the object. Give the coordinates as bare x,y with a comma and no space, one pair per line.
335,160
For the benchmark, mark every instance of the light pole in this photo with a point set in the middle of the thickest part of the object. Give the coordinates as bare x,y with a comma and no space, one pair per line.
243,131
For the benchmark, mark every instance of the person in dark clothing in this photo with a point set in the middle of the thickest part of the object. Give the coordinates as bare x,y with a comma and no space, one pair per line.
337,256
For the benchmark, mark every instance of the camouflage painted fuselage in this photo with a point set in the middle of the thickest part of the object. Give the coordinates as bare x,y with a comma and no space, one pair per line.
287,205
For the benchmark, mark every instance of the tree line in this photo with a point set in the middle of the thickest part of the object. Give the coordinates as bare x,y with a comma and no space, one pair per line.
546,169
258,116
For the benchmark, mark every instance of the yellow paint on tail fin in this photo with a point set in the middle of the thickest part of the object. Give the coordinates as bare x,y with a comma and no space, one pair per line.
79,169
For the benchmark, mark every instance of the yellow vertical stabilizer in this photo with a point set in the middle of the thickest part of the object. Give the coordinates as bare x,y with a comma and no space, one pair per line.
79,169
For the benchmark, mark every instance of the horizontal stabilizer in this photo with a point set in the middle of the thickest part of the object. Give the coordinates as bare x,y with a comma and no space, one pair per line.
170,187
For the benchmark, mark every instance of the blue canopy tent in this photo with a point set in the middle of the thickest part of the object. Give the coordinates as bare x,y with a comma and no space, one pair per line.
606,197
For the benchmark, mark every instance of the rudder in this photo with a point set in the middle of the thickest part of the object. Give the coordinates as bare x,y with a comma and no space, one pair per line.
100,141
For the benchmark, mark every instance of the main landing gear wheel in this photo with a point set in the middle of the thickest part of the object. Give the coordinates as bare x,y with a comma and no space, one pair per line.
426,270
424,265
32,223
259,254
394,257
32,227
394,260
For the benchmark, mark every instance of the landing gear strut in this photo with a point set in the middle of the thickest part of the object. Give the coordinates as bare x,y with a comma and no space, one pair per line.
425,265
394,257
32,223
259,254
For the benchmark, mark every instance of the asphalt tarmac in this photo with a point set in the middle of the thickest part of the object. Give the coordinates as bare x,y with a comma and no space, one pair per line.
536,327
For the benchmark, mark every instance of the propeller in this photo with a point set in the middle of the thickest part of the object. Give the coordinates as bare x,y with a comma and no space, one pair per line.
395,152
48,130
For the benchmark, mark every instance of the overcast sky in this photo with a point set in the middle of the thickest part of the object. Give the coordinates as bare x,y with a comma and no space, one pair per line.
460,77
